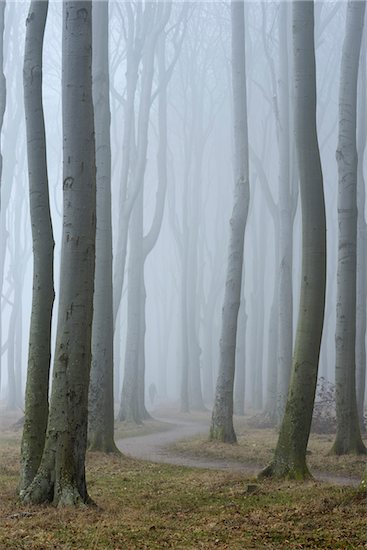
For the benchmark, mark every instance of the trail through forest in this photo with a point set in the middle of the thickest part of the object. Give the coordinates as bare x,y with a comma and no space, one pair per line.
155,447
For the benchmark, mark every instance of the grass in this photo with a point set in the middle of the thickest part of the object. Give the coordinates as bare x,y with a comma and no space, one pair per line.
149,506
256,446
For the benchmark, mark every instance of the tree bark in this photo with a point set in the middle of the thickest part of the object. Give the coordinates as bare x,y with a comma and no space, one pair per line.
290,453
39,353
348,437
101,402
361,242
222,417
61,476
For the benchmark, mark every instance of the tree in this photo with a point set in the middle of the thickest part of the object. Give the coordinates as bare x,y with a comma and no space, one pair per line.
290,453
361,319
101,409
61,476
39,354
348,437
2,81
222,417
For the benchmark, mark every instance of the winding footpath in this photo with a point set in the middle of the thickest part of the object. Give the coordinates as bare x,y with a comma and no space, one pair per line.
155,447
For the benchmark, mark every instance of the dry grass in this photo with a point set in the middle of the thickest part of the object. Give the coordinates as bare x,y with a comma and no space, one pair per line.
149,506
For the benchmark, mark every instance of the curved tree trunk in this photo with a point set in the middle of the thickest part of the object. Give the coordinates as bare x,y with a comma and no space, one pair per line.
101,410
39,353
290,453
61,476
348,436
222,417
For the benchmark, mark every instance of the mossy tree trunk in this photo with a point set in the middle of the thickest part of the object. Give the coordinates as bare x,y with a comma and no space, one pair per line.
290,453
39,353
61,476
101,409
222,416
348,436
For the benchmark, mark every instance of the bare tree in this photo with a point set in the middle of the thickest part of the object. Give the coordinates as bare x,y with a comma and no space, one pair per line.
61,475
348,436
290,453
222,417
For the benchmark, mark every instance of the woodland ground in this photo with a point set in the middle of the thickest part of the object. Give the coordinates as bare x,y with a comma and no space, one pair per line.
147,505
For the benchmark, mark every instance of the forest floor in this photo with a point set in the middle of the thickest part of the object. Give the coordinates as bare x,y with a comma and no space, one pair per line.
146,505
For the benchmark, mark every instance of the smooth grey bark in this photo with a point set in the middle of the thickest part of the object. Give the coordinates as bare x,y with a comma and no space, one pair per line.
39,352
129,406
361,241
290,453
2,111
240,371
61,476
101,402
222,416
348,437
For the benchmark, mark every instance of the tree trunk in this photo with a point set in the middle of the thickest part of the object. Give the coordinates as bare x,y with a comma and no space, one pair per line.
222,417
101,401
361,243
61,476
290,453
39,353
2,83
348,436
129,409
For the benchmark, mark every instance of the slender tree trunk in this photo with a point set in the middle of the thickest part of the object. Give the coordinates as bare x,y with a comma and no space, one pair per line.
2,83
285,302
348,436
290,453
222,417
2,111
240,374
129,409
39,353
61,475
101,402
361,243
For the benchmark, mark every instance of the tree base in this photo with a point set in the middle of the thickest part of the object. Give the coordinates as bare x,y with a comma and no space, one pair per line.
344,447
220,433
281,469
106,446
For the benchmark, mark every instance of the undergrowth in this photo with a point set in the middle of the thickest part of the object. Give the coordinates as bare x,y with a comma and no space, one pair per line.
148,506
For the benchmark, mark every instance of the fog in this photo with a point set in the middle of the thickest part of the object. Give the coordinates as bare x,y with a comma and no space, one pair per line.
184,273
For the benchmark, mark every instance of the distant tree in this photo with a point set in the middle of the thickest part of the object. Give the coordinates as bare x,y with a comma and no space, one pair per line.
61,475
348,436
222,416
290,453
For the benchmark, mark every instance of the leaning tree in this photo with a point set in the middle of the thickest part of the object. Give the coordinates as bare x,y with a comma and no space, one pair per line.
290,453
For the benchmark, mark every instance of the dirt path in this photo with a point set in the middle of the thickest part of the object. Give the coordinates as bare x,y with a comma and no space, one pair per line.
155,448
